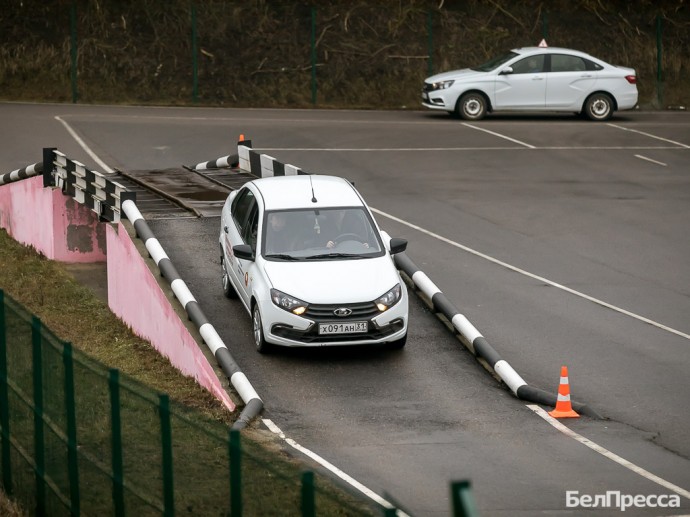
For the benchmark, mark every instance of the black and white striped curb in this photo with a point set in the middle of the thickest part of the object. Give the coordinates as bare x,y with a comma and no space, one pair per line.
230,160
22,174
263,165
477,344
253,403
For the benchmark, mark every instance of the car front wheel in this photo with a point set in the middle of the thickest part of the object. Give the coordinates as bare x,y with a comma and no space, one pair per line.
472,106
599,107
261,346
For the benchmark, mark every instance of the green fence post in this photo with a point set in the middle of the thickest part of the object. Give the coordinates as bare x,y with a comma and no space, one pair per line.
463,501
195,62
545,25
73,48
72,456
430,42
116,443
308,506
659,75
4,403
235,473
166,443
39,440
313,55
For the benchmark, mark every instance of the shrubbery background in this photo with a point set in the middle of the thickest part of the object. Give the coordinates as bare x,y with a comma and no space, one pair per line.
258,53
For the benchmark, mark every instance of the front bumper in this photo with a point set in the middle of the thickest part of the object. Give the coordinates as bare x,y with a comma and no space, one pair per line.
286,329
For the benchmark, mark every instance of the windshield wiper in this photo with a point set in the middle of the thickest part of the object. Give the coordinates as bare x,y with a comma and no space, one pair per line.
337,255
282,256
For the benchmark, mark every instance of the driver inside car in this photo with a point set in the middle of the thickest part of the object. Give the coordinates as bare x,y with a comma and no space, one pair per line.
345,225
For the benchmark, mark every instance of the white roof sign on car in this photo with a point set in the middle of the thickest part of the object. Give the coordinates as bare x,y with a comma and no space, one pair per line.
542,43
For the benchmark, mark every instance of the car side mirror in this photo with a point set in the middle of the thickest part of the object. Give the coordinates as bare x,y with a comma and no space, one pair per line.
507,70
243,251
397,245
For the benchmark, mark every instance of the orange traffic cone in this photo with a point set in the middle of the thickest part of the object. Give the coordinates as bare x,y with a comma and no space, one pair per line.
563,407
241,138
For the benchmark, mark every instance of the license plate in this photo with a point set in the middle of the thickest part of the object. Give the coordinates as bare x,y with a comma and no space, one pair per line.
351,327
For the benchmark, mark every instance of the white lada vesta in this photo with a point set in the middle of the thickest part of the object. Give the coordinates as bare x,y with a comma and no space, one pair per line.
311,266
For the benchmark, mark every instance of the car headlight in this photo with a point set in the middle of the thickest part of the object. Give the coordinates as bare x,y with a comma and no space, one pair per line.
442,85
288,303
389,299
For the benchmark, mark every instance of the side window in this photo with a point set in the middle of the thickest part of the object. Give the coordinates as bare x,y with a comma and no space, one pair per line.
529,65
241,206
565,63
252,227
591,65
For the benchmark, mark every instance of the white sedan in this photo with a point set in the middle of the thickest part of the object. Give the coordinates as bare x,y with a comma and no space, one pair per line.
311,266
534,79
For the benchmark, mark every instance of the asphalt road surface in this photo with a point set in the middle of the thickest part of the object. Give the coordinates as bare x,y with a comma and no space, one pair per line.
564,242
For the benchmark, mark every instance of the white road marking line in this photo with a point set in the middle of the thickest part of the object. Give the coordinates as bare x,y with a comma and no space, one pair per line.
650,135
436,149
498,135
335,470
650,160
83,145
608,454
532,275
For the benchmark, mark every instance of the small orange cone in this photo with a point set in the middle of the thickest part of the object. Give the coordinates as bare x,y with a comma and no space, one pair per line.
241,138
563,407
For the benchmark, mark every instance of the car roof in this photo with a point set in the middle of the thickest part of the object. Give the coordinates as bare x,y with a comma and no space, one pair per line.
550,50
287,192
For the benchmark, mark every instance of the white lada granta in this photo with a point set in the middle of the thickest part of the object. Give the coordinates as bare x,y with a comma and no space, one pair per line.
311,266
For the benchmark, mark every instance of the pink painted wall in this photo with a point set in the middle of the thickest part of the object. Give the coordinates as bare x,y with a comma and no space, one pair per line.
135,296
54,224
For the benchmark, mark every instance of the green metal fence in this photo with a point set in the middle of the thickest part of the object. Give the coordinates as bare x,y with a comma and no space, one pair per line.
79,438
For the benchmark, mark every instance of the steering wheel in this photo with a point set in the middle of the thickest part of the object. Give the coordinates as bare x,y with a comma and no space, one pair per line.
348,237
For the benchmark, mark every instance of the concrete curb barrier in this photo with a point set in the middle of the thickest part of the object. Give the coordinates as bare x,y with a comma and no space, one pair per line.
22,174
253,403
230,160
476,343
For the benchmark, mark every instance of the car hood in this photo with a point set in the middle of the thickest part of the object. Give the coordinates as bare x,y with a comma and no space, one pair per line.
334,281
465,73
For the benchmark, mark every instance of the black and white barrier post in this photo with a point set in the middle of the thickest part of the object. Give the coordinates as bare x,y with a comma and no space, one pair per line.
263,165
478,345
22,174
253,403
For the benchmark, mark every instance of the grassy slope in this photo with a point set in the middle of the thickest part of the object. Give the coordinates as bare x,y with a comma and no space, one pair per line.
73,312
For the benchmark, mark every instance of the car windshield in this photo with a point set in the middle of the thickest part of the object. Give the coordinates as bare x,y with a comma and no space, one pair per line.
495,62
320,234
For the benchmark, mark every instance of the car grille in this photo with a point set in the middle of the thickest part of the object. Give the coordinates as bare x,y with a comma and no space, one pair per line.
324,312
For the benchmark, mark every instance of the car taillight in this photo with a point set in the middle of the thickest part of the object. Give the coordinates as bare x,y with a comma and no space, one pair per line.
632,79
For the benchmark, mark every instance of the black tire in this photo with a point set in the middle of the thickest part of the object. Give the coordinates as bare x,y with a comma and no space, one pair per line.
472,106
398,344
599,107
258,332
228,289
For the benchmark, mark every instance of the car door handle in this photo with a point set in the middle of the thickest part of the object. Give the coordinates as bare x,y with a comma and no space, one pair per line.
586,75
537,78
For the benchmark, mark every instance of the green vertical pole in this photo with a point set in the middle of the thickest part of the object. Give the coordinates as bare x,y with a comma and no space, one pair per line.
463,501
313,55
308,506
39,440
659,75
235,473
73,48
116,443
4,403
166,442
72,456
545,25
430,41
195,62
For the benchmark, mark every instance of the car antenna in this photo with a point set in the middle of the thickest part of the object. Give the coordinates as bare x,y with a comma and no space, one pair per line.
313,196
